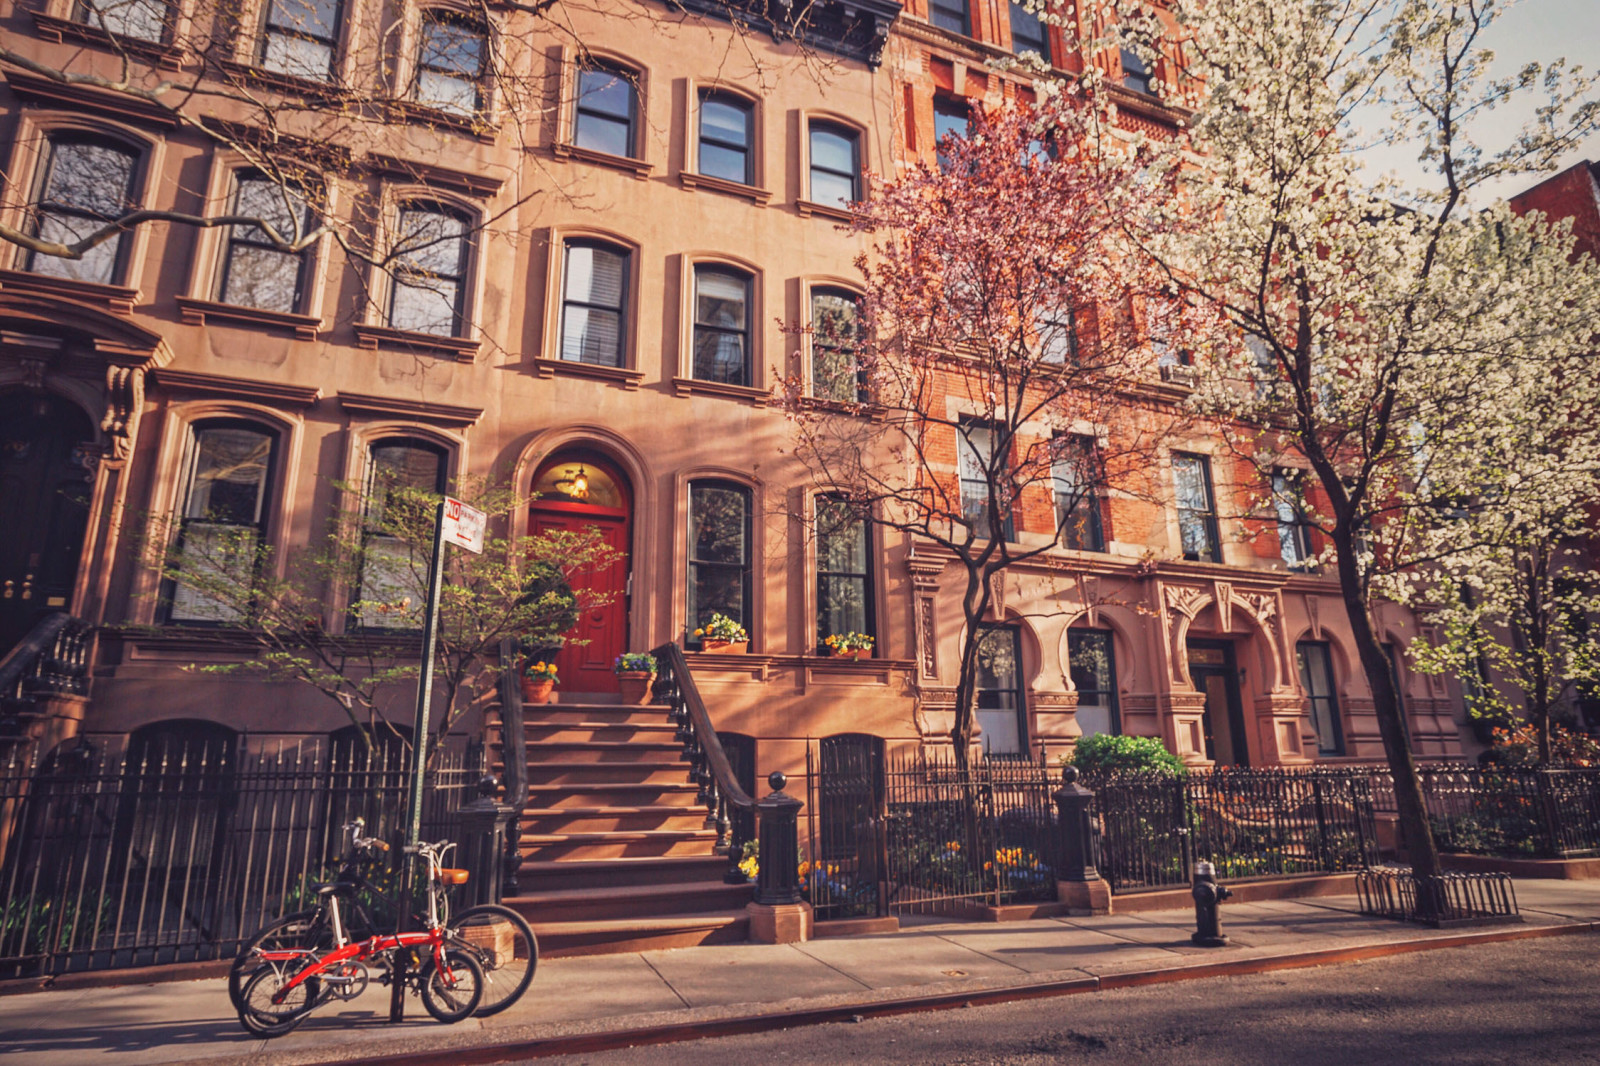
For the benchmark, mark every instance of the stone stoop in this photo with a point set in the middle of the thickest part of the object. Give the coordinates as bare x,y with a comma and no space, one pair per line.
616,853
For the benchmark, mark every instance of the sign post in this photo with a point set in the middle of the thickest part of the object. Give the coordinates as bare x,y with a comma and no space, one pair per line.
455,523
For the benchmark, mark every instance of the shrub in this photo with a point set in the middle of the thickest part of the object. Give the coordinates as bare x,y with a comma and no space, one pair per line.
1105,753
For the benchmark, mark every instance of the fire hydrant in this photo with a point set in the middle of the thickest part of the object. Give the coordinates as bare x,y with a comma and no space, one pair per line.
1207,918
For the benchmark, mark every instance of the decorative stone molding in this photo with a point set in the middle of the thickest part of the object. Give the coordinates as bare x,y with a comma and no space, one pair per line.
272,392
442,414
927,639
124,404
1185,599
1312,608
1264,605
1222,593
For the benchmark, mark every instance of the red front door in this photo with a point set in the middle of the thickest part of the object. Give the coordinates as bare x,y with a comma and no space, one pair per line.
601,634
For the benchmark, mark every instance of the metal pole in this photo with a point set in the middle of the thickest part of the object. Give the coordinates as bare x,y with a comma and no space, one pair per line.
419,757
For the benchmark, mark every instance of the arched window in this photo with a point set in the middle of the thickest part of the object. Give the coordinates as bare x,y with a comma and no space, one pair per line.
726,147
83,183
594,302
430,259
452,55
404,478
719,553
178,794
1091,655
835,164
256,273
606,111
222,521
722,298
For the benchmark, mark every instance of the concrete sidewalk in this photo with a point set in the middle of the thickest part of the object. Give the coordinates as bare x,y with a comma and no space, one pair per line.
608,1000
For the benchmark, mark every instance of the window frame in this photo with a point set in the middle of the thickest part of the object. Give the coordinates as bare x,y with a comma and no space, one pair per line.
949,107
837,129
1043,50
1329,699
36,210
84,14
1207,517
462,20
1294,528
1089,497
864,577
463,280
370,447
187,472
1008,527
748,148
1112,706
943,14
332,42
819,345
630,78
1140,74
625,295
231,239
747,331
693,565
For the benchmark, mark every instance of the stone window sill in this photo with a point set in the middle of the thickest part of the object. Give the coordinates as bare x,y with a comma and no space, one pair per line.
752,193
457,348
616,375
637,167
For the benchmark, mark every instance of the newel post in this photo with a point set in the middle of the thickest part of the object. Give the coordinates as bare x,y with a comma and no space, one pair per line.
1078,883
779,915
483,842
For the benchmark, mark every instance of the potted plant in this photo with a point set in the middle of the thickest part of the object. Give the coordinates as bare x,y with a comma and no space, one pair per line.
538,680
636,673
724,635
848,645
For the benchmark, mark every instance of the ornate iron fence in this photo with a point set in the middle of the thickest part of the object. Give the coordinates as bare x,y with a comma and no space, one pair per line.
177,854
1248,823
1506,810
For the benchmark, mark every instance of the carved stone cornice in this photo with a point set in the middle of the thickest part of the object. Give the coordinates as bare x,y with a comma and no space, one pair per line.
1264,605
34,89
271,392
442,414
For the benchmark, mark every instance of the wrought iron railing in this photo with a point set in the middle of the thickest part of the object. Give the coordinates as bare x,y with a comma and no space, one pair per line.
729,809
52,660
176,854
1510,811
1248,823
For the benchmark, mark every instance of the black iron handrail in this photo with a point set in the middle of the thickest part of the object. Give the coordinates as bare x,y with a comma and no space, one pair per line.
51,660
710,769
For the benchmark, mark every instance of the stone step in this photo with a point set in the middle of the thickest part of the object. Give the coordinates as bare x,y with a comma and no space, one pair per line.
571,875
542,736
568,939
616,845
635,901
615,794
583,773
599,819
611,752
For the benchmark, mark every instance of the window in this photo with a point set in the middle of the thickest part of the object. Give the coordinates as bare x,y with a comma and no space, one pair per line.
1028,33
254,272
949,15
605,111
301,38
835,373
1002,705
429,271
1136,73
1294,528
1075,477
844,590
1058,337
719,553
726,125
223,520
721,325
1316,677
82,185
1093,666
594,297
950,119
835,166
976,460
402,477
450,64
143,20
1197,511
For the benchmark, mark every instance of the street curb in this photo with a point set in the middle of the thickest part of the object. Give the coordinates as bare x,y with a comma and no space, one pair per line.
581,1043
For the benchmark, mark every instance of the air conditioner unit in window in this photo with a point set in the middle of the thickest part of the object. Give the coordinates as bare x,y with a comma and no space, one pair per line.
1178,374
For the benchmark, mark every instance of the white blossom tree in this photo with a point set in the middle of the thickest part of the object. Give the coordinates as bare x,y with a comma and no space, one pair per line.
1397,339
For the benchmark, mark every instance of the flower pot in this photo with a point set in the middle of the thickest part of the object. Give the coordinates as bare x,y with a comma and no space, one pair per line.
536,691
725,647
852,653
635,685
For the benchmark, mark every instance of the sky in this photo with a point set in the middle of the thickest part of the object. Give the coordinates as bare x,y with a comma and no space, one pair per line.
1532,31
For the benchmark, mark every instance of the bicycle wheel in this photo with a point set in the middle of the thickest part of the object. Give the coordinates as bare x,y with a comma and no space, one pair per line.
504,946
454,997
259,1015
305,929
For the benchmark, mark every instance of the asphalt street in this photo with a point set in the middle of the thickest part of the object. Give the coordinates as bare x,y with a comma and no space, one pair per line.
1525,1002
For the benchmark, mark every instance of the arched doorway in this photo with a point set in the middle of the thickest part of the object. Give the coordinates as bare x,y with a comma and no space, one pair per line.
46,478
579,489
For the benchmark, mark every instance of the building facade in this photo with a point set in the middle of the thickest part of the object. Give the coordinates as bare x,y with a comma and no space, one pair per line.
614,272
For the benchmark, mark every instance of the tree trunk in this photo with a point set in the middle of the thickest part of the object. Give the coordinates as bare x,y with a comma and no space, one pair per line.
1412,808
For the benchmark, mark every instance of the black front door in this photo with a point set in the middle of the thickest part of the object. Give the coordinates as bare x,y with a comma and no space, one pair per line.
46,476
1215,675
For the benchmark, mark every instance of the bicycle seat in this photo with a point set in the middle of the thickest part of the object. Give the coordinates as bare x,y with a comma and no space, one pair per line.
447,876
328,888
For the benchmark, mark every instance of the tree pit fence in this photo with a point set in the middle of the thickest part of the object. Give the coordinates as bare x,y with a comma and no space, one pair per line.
117,859
1248,823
